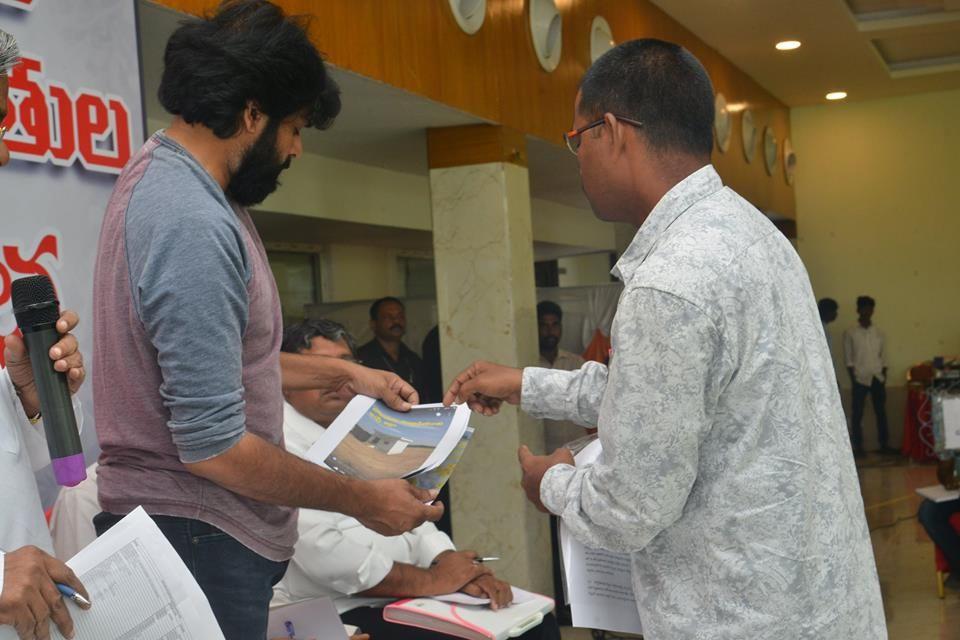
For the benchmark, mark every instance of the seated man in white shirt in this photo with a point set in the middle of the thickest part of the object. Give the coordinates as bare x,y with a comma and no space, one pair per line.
359,569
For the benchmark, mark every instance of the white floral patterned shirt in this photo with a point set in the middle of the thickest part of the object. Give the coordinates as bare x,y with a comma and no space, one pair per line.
726,469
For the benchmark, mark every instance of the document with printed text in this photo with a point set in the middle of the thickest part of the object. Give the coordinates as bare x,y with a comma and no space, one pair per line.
599,583
139,588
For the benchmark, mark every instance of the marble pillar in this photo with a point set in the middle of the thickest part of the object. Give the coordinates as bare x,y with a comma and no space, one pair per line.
486,304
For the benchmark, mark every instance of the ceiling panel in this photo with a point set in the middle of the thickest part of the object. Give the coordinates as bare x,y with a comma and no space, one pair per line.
920,48
899,7
839,50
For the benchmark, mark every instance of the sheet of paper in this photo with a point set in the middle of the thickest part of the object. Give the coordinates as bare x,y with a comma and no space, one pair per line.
520,596
315,619
139,588
938,494
599,583
371,441
951,422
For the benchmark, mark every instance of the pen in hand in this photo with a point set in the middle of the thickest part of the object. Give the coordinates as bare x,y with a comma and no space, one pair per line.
290,632
71,593
487,559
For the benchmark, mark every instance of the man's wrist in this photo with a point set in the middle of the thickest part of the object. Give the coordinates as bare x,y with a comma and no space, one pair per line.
30,407
349,496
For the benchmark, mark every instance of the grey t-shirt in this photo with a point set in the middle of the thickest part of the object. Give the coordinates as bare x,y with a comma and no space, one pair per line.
187,329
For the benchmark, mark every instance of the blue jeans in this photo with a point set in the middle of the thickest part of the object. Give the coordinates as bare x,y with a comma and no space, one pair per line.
878,394
237,582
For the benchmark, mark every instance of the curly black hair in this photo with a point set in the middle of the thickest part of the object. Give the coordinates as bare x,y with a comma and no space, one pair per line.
249,50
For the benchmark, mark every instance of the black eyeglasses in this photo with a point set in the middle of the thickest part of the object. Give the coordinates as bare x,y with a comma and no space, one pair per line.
572,138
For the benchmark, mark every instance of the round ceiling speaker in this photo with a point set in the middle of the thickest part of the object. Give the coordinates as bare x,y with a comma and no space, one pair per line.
748,134
722,122
546,31
789,162
769,150
469,14
601,38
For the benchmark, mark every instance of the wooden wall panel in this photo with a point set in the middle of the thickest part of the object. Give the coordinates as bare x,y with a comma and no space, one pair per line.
417,46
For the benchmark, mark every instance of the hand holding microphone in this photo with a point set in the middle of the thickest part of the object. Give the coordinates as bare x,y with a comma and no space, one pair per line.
45,367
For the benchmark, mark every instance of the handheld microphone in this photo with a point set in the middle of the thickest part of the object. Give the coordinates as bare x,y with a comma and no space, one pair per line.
37,310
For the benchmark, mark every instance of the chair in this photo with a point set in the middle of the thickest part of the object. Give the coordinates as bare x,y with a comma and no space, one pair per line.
943,567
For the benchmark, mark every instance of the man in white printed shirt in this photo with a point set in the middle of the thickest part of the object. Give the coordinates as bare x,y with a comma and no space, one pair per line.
865,352
726,469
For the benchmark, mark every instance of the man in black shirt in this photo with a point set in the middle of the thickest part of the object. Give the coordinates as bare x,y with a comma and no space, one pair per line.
386,351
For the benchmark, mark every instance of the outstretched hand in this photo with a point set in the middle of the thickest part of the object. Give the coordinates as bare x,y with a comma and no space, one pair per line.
395,392
392,507
485,386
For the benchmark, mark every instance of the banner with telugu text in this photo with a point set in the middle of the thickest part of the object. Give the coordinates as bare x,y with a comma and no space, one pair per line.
74,119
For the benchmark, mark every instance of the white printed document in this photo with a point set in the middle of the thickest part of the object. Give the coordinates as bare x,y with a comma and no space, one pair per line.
139,588
599,583
314,619
371,441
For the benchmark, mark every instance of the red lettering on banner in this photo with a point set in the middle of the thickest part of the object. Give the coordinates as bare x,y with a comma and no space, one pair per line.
26,5
47,124
13,264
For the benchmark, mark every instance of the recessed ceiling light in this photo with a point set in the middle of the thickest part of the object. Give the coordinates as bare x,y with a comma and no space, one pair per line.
788,45
836,95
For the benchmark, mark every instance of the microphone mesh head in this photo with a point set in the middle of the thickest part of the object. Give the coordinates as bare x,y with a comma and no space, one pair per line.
34,301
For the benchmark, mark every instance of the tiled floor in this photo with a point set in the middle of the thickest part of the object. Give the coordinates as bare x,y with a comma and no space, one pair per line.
904,554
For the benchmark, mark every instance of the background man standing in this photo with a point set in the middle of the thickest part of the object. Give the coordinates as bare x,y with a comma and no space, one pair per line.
865,352
550,327
387,352
828,308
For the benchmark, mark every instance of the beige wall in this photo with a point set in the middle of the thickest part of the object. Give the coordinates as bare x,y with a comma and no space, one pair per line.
585,270
356,272
878,201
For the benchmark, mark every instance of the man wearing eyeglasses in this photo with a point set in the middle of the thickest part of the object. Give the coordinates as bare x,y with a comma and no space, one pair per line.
726,470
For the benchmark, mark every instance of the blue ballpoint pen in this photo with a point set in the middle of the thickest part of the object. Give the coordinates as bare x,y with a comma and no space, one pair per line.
289,627
70,592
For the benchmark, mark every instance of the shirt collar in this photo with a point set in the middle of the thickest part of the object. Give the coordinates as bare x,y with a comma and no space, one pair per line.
698,185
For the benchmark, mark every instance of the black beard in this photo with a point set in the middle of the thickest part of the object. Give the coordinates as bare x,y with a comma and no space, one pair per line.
548,344
259,173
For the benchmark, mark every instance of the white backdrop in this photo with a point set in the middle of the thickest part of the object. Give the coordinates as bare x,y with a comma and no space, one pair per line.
75,117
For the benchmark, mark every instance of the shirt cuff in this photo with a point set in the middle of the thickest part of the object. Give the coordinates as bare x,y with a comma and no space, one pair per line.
553,487
433,545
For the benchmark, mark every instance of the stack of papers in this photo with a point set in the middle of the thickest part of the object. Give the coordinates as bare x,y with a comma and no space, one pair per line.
371,441
139,588
599,583
937,493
